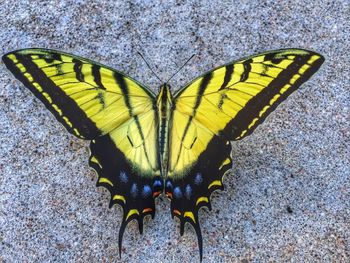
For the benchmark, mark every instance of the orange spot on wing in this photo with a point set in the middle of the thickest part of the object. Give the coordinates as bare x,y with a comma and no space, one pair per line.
148,209
155,194
177,212
170,195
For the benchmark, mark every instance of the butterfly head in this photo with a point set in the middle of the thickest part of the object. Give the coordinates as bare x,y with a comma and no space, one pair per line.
164,97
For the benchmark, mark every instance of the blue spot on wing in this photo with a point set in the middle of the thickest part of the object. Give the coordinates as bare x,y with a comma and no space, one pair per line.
177,192
134,190
123,177
157,183
146,192
198,179
188,192
168,184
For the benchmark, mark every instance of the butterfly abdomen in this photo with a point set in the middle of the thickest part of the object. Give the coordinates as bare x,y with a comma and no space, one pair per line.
164,104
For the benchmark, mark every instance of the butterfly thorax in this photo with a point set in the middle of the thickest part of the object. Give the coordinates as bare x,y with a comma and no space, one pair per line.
164,105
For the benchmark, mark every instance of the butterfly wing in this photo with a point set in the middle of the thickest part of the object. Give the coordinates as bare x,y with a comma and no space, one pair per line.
225,104
97,103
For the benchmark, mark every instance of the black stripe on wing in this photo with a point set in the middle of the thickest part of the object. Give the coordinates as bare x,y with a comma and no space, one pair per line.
239,128
66,106
228,75
201,89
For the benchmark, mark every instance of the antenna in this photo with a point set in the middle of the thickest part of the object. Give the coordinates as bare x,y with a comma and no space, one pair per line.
188,60
149,67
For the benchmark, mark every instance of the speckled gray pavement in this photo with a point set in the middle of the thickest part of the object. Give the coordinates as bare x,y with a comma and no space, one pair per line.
287,198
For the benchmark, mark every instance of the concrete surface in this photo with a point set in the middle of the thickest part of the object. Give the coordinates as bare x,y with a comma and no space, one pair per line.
288,196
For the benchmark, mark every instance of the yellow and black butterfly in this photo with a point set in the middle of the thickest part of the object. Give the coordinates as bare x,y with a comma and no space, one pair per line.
144,144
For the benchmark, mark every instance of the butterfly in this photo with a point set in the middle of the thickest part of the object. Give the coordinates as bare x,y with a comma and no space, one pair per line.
143,144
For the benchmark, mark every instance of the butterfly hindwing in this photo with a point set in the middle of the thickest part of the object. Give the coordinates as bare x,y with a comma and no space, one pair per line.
226,104
193,191
134,192
98,103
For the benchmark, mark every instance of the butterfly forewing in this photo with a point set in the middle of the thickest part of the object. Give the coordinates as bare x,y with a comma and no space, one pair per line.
98,103
87,98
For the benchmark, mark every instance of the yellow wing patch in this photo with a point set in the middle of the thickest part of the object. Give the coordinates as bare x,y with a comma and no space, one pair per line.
119,197
105,180
137,140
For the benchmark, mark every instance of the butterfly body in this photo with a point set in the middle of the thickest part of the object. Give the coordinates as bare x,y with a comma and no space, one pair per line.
164,106
143,145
